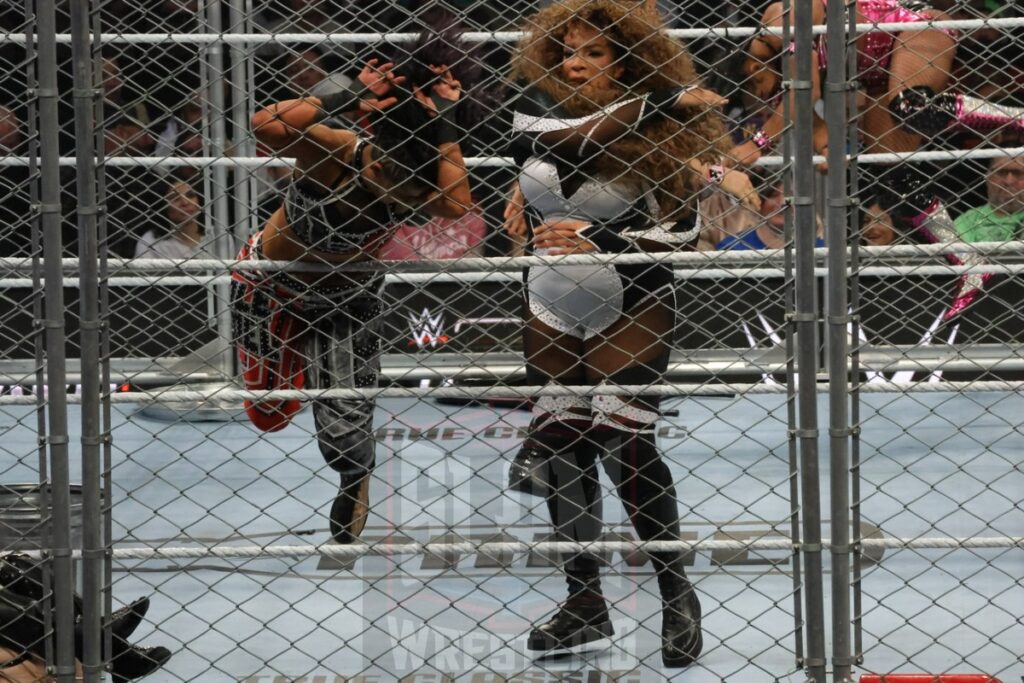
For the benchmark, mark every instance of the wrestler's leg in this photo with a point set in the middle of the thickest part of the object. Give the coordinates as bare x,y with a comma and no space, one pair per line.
635,351
922,57
343,352
562,465
552,358
22,621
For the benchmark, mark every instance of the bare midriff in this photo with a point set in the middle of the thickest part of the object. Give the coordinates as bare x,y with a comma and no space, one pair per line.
279,243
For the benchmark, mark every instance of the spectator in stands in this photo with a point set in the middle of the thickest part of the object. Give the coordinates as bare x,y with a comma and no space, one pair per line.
876,225
120,98
1002,218
902,209
11,136
890,65
182,234
15,235
177,131
127,136
309,16
989,56
129,188
407,15
171,71
437,238
766,230
305,71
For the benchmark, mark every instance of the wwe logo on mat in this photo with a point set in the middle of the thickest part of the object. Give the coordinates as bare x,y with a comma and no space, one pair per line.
427,330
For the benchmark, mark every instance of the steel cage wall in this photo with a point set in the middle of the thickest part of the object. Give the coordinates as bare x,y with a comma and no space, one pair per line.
826,357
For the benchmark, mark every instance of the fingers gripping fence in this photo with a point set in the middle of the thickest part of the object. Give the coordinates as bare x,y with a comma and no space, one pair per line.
376,341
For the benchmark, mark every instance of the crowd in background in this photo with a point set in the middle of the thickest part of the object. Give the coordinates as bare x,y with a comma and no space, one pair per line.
153,106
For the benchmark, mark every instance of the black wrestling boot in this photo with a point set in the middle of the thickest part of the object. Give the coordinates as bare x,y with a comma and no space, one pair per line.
921,110
350,508
526,474
579,624
681,638
132,662
576,624
124,621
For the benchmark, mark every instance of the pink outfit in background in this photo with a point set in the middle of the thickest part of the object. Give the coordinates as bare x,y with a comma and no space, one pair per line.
875,48
439,238
936,227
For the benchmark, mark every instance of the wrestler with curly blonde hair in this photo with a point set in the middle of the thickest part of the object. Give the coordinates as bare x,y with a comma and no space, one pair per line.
613,135
650,61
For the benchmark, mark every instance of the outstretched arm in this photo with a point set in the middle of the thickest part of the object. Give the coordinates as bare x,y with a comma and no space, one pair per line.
282,124
766,47
289,129
285,123
632,234
538,132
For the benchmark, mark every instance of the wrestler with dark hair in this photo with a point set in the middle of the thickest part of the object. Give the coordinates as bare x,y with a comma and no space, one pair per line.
297,330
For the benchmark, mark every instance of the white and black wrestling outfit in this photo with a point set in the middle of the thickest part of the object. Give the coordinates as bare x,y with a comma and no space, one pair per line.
593,325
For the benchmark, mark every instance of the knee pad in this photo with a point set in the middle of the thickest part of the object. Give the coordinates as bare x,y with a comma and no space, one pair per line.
920,110
350,453
639,414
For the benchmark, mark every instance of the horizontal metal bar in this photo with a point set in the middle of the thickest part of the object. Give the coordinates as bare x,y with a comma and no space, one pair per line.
502,162
896,254
492,36
506,366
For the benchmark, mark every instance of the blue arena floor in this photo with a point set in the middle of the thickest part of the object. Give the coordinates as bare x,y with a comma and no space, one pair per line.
933,464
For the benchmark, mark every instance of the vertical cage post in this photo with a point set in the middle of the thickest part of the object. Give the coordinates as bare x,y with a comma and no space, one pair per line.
792,444
212,66
57,439
806,317
838,316
89,333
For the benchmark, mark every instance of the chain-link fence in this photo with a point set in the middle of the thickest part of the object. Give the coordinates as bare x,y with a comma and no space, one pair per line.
635,336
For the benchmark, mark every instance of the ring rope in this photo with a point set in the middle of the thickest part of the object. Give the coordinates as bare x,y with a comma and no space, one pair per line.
188,396
357,550
491,278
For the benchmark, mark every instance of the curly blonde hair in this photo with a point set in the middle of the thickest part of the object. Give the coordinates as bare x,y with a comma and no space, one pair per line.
659,153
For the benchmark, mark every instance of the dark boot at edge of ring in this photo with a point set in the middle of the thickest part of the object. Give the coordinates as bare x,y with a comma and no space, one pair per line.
351,507
681,637
581,620
133,662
